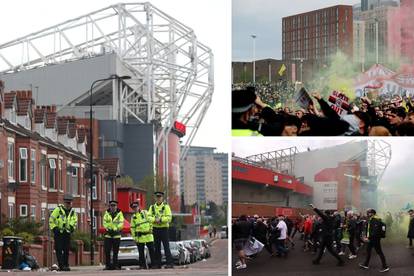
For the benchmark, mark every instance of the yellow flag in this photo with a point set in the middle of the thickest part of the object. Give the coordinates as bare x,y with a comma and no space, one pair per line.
282,69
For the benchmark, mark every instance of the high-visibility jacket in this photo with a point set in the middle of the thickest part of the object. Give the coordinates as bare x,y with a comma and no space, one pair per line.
162,212
65,223
244,132
141,227
113,224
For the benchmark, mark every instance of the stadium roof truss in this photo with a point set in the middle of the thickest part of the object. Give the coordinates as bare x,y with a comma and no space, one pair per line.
172,72
278,160
377,155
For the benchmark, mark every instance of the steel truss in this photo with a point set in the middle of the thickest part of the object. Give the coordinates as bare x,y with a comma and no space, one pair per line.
172,72
279,160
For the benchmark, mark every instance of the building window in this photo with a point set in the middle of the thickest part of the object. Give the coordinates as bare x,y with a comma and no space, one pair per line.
94,187
10,160
75,180
60,180
23,164
52,173
43,214
33,166
109,191
68,179
43,171
11,210
33,212
23,210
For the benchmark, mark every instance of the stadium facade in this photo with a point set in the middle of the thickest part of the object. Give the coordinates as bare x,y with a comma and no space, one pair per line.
339,177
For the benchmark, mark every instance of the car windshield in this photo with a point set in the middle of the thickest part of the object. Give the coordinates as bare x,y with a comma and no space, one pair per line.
223,228
127,243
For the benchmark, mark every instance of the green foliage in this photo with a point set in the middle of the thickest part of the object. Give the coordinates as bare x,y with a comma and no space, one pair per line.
126,181
7,232
23,225
81,236
27,237
147,183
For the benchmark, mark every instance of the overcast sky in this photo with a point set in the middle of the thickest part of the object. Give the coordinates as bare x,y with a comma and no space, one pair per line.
264,19
210,20
398,177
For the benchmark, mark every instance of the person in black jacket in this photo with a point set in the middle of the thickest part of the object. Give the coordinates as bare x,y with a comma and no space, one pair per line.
242,230
373,239
327,234
410,234
260,233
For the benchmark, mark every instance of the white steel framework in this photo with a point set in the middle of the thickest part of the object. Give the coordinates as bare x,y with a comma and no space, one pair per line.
172,72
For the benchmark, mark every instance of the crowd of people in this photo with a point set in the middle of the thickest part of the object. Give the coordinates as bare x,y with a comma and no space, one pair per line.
339,233
254,113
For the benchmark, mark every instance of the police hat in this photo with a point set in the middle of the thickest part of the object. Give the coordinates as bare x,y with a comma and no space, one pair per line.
68,197
159,193
113,201
134,203
243,100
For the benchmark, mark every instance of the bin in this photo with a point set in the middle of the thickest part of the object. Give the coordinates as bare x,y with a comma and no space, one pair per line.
12,252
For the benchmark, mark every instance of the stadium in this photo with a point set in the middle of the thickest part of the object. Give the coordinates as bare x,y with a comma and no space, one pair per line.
141,118
285,181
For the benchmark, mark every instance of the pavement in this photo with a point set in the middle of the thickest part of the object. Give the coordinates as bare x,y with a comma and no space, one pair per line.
217,264
298,262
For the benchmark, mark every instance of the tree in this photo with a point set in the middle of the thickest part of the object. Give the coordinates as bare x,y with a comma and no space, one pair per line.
147,184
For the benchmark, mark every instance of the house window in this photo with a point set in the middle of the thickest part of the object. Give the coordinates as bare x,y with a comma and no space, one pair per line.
23,210
10,160
43,171
68,179
11,210
33,166
75,180
60,175
94,186
52,173
43,214
109,191
33,212
23,164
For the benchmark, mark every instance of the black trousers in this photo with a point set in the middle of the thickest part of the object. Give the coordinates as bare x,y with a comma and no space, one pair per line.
376,244
141,251
328,244
111,244
62,244
351,244
161,236
411,241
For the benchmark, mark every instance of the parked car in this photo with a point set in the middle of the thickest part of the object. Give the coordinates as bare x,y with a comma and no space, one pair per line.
128,252
223,232
203,247
187,253
177,254
193,249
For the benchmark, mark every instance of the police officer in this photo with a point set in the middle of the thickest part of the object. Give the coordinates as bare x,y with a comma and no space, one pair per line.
141,230
162,217
113,222
373,239
63,221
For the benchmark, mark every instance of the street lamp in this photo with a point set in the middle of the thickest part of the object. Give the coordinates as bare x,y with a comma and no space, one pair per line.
254,58
113,77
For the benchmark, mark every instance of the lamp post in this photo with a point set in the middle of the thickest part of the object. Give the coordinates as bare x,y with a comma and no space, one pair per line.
113,77
254,58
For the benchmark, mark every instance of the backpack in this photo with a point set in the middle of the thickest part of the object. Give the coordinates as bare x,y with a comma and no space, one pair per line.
274,232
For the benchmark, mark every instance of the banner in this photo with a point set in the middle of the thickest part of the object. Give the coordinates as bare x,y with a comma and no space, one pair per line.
339,102
303,99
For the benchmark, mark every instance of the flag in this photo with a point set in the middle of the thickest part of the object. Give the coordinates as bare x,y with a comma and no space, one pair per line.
282,69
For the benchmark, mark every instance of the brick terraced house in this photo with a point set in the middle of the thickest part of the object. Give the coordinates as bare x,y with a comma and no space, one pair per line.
44,156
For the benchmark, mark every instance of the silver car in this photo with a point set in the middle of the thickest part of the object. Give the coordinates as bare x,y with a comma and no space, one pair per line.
128,252
177,253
